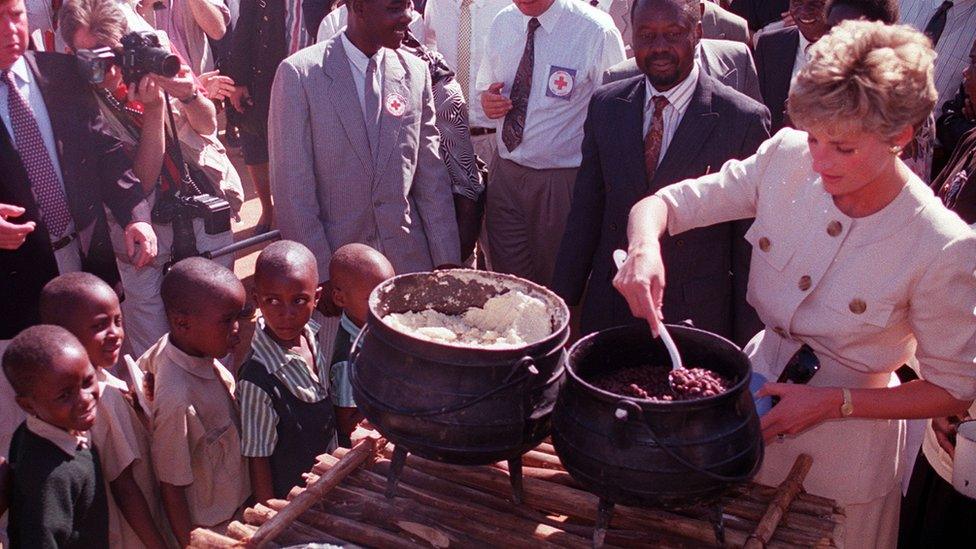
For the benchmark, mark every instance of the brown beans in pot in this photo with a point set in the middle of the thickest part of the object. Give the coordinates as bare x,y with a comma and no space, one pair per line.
651,382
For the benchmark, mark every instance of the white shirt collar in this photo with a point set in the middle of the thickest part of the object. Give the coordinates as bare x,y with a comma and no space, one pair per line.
678,96
548,20
804,44
356,55
21,70
65,441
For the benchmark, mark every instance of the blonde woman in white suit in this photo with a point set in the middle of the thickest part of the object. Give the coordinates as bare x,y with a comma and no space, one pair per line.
854,257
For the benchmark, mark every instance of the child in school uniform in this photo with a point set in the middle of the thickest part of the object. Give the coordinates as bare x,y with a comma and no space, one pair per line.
195,435
87,307
287,415
57,496
354,270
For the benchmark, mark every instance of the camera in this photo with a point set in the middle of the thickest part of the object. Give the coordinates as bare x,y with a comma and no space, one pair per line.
141,53
180,210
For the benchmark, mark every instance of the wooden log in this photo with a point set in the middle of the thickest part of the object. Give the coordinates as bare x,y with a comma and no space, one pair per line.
314,492
240,531
534,458
546,448
296,533
558,476
788,490
201,538
351,530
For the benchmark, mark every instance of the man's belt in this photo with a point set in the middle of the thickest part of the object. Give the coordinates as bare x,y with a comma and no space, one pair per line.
475,132
64,241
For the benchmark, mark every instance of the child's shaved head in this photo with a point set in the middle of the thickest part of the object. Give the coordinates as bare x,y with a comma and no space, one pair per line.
34,352
286,257
355,269
62,294
195,282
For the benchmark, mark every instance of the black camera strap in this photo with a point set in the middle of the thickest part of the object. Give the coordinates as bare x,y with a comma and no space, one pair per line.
189,187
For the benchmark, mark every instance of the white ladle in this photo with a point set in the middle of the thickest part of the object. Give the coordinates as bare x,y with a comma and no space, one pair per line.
619,256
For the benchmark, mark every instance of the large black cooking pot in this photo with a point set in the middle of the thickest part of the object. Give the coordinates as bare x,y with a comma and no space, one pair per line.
640,452
450,403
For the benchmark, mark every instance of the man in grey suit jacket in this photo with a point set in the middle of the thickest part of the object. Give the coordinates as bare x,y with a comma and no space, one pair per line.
728,62
720,23
339,175
703,124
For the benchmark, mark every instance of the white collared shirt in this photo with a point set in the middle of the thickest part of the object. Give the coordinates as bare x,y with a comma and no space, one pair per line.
679,97
802,56
358,62
29,89
954,45
69,443
442,18
574,44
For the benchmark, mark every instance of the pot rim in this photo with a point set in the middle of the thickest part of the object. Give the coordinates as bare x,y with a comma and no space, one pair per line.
560,315
646,403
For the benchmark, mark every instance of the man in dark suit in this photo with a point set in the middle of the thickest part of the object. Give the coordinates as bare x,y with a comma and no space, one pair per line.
759,13
780,54
58,170
671,123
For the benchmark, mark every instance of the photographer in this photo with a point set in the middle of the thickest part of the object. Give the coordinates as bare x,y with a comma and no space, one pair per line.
135,109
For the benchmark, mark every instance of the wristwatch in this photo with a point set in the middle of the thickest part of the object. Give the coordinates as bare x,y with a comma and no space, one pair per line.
192,98
847,408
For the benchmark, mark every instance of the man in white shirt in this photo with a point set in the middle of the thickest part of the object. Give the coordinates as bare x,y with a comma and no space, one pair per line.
458,30
952,27
546,60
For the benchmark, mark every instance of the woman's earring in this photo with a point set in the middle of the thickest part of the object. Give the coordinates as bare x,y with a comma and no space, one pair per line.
895,150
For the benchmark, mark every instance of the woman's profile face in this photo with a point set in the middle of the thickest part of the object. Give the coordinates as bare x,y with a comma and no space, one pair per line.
847,158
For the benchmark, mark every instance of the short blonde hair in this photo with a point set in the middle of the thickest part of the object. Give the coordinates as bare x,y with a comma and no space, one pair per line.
102,18
874,75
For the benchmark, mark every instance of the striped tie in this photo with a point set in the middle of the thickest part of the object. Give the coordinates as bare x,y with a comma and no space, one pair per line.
464,47
34,155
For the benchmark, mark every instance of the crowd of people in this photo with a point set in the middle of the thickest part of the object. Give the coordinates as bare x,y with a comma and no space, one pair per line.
804,171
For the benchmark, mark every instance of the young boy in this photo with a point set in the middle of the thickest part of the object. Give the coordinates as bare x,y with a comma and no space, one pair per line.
354,270
287,415
88,308
196,444
57,494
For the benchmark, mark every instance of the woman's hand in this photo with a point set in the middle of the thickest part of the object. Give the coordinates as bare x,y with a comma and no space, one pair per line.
800,408
140,243
217,86
641,281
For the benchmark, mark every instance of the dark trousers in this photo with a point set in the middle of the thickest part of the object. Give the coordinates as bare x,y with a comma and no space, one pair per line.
933,514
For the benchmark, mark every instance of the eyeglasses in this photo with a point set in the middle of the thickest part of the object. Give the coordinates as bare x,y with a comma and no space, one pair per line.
800,369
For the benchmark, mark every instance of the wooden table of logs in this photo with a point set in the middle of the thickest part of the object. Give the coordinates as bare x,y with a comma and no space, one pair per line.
439,505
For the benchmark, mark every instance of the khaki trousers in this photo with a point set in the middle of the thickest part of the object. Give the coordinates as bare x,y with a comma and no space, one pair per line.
525,217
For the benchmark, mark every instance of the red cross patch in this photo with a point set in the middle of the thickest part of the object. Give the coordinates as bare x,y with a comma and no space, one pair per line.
561,82
396,105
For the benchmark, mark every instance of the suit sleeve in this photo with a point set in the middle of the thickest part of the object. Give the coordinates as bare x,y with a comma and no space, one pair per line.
119,187
582,236
745,321
291,156
760,56
431,188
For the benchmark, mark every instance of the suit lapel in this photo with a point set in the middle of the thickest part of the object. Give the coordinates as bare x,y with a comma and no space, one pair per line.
629,116
394,91
56,114
695,127
786,60
345,98
715,66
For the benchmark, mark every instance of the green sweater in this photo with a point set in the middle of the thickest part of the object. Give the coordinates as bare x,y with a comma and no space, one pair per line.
56,500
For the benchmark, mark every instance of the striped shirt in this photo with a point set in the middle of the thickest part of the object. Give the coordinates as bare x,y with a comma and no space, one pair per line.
258,418
341,367
679,97
954,45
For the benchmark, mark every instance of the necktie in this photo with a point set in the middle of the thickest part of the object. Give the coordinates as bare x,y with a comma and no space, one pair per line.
655,137
372,113
464,47
515,119
937,23
44,182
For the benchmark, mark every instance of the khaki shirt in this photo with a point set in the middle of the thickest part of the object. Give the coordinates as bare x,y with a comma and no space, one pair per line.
196,439
123,441
866,294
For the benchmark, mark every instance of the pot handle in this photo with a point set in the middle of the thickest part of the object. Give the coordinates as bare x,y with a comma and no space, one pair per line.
526,365
625,409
